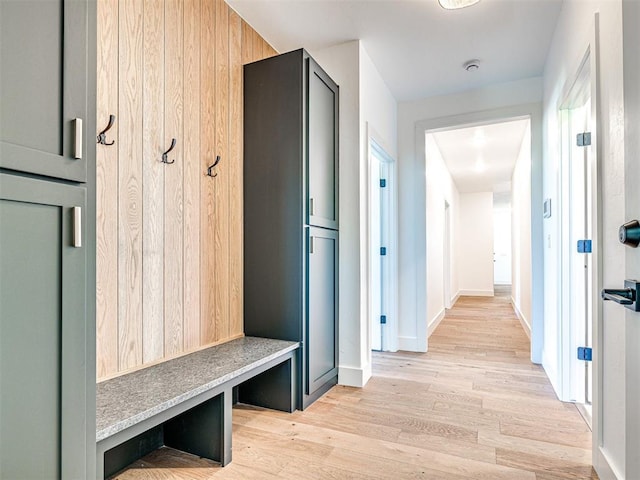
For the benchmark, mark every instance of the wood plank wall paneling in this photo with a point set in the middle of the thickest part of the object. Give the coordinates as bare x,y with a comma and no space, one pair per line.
107,192
192,174
169,237
220,218
235,175
173,186
153,205
130,154
208,146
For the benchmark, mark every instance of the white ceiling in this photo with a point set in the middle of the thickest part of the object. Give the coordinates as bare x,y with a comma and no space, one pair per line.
418,47
497,145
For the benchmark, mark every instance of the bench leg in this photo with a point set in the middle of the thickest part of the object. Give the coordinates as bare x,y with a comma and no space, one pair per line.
227,426
276,388
202,430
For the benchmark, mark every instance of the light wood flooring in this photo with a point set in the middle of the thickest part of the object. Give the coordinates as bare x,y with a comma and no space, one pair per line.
473,407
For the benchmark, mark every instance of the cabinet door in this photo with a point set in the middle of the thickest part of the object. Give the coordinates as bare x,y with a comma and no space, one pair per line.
322,142
44,78
322,305
43,330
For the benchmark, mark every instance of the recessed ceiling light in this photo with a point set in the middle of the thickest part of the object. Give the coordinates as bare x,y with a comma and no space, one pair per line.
471,65
456,4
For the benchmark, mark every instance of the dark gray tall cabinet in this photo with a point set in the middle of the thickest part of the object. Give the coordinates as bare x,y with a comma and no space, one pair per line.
47,239
291,212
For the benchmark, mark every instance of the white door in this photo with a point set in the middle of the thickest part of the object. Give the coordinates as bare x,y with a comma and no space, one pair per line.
502,246
578,243
382,246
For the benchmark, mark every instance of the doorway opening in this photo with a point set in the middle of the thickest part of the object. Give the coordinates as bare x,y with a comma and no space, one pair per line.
502,244
382,248
577,231
478,215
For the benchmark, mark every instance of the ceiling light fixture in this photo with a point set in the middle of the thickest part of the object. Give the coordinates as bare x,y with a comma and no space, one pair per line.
456,4
471,65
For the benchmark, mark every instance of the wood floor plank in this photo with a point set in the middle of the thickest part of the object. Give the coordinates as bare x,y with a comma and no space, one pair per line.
467,409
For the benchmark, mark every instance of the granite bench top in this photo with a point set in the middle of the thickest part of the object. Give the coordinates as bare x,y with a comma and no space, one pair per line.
132,398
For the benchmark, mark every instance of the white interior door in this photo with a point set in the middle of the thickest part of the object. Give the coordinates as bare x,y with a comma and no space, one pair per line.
502,246
382,250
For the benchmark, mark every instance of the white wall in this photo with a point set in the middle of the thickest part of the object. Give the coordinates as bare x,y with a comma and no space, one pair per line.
571,40
439,188
521,234
364,99
489,103
475,244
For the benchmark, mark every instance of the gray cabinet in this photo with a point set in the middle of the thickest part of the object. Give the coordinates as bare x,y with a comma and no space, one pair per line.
44,50
43,330
47,285
323,148
291,212
322,308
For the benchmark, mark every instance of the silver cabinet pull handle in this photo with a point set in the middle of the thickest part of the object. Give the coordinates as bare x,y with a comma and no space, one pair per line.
77,227
77,148
310,244
311,206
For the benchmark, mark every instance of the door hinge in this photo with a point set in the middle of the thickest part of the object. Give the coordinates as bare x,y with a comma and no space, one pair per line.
584,139
584,353
383,182
584,246
383,319
383,251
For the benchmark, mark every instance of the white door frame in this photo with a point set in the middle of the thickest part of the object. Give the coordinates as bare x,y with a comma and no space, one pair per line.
574,94
390,286
532,111
446,254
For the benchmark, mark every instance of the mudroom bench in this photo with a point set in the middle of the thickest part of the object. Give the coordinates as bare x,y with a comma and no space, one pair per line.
186,403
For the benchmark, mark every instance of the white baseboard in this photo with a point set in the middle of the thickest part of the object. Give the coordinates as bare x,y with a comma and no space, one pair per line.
476,293
604,466
354,377
433,324
455,298
523,320
552,374
408,344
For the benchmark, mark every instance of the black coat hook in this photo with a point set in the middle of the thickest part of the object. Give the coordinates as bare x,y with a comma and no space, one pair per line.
102,136
165,155
211,167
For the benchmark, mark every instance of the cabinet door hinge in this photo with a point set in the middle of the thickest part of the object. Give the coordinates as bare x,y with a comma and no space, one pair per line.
383,319
383,182
383,251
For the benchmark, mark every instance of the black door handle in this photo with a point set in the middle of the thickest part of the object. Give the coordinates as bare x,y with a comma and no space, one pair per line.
623,297
627,296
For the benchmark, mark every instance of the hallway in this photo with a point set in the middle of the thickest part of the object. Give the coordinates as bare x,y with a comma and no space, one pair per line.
473,407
